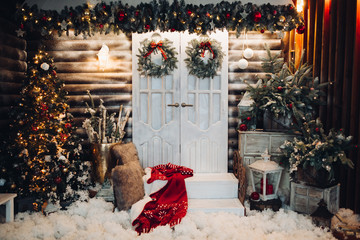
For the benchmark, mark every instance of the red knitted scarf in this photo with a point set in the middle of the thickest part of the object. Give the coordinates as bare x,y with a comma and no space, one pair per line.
169,204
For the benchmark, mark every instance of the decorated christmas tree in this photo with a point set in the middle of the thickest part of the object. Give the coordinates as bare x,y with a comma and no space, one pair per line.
45,158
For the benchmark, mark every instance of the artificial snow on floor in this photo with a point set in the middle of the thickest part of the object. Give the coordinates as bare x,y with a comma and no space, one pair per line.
96,220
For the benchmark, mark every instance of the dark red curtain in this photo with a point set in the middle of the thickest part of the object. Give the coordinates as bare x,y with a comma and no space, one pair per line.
332,42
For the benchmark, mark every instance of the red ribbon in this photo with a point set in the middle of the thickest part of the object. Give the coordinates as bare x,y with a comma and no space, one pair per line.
204,46
158,45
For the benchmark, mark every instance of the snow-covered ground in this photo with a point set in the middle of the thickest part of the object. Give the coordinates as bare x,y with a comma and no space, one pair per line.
95,219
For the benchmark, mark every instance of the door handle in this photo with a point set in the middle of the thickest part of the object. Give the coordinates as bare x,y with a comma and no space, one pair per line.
186,105
174,105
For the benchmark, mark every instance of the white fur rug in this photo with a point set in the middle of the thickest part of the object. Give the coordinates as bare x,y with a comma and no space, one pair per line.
96,220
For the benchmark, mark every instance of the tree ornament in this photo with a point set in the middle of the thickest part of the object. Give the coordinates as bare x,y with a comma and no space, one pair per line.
257,16
121,15
63,25
290,105
300,29
279,88
189,12
274,12
20,32
195,61
243,127
317,129
228,15
255,196
68,125
262,30
147,26
169,60
282,19
243,63
44,66
248,119
248,53
58,180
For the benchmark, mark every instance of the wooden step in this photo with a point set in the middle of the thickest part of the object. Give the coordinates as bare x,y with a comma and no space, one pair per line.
212,185
231,205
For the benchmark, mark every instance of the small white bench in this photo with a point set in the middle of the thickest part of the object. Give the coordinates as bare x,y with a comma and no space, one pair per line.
8,200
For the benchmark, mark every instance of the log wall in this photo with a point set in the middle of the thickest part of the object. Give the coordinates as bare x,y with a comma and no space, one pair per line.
76,62
12,68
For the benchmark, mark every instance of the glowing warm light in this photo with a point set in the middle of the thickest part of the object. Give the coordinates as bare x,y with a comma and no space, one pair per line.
103,56
300,5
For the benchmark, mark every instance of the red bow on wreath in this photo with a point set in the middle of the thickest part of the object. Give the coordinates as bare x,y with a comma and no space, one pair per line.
204,46
154,45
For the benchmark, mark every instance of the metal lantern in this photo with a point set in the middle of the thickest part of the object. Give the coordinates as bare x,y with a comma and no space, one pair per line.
322,217
265,177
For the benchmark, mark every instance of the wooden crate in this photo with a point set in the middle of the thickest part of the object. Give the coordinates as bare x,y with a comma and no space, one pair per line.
305,199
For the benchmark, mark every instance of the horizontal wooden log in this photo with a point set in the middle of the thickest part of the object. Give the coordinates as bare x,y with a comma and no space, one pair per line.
252,67
248,76
254,35
10,88
98,88
98,77
10,64
12,41
88,67
85,45
11,76
13,53
259,55
8,100
255,44
233,111
108,99
90,55
82,110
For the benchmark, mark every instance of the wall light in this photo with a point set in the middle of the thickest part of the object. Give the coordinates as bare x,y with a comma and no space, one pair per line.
300,5
103,57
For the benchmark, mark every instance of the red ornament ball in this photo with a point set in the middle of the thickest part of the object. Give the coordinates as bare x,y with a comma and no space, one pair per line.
137,13
279,88
255,196
274,12
173,29
71,14
291,7
189,12
101,26
262,30
35,129
243,127
257,16
248,118
147,26
121,15
228,15
57,180
22,26
54,72
300,29
290,105
104,6
68,125
317,129
44,18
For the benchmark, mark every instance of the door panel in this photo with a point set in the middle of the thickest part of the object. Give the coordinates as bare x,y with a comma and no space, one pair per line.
194,135
204,125
156,126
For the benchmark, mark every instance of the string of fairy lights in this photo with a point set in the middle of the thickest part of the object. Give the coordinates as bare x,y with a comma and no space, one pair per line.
159,15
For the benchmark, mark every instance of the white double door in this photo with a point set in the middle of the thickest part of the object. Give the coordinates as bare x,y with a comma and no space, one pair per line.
180,118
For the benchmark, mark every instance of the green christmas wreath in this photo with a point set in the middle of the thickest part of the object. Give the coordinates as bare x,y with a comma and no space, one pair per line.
195,63
147,67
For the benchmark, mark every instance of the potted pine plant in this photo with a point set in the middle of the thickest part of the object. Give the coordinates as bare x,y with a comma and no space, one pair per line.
314,155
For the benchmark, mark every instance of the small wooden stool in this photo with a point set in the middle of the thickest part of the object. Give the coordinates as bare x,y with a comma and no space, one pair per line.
8,200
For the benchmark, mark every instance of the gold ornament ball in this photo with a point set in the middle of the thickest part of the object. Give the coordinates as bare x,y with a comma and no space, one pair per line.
13,186
282,18
65,170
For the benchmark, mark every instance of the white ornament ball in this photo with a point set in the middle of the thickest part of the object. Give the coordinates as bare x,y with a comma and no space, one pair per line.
243,63
44,66
248,53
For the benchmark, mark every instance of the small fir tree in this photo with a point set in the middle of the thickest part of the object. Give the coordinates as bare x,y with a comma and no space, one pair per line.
46,157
